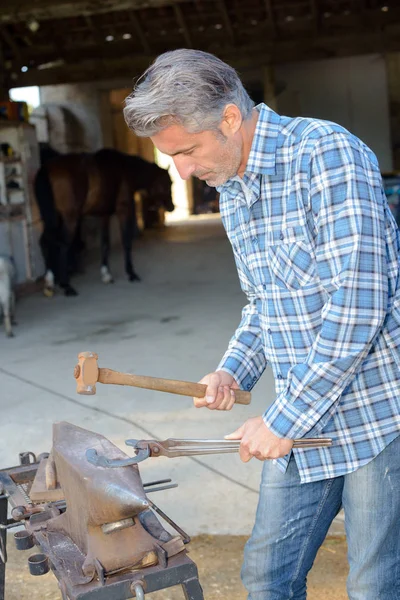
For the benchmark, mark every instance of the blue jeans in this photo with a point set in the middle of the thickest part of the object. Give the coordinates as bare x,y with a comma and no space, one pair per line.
293,519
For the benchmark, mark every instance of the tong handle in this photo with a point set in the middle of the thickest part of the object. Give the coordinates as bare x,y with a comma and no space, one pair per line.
173,448
180,443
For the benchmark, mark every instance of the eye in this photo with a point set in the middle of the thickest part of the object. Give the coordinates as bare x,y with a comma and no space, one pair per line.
188,152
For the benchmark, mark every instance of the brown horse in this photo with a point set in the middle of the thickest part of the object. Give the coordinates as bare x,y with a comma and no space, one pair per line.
71,186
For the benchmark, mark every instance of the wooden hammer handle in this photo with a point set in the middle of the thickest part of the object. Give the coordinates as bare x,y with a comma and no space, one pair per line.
184,388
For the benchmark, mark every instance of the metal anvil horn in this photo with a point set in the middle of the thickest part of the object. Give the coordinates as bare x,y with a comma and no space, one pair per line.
105,507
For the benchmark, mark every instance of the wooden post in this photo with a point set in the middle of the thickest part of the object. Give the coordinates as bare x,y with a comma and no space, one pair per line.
269,87
3,542
3,77
3,93
393,82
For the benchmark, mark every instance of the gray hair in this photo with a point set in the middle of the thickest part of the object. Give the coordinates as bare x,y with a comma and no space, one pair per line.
186,87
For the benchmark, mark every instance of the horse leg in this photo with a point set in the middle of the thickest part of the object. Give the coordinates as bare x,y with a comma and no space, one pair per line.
7,318
127,223
75,251
69,229
48,252
12,309
106,276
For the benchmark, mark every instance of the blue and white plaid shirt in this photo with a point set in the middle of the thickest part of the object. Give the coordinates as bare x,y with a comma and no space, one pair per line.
317,251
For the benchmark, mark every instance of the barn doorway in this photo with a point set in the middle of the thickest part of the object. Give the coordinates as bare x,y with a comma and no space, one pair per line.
126,141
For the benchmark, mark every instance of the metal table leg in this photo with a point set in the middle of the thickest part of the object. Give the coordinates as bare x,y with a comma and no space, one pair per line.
3,542
192,590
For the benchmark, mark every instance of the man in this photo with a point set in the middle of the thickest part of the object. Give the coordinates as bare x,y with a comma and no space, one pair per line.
317,253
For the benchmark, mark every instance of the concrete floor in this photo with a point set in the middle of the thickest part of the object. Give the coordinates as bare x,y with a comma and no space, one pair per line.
176,324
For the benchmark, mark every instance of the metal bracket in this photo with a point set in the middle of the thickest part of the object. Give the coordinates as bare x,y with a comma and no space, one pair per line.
101,461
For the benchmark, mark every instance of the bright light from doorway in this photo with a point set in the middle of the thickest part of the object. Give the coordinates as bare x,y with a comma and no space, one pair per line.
30,95
179,189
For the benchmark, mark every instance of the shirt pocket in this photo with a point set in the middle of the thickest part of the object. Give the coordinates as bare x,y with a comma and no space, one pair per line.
290,258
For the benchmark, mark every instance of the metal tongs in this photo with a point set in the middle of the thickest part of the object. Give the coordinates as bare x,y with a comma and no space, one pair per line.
173,448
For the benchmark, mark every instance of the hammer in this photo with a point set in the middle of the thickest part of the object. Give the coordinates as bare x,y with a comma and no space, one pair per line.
87,374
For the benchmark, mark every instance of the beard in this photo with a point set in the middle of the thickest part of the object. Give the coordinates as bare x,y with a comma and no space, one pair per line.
229,159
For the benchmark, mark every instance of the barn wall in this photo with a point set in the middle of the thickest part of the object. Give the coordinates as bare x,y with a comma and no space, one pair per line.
350,91
83,101
123,138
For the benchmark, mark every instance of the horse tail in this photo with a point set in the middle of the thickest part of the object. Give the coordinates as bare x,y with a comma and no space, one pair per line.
45,199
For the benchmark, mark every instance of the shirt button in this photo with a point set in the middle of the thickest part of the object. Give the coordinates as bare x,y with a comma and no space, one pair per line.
279,376
269,331
255,241
281,237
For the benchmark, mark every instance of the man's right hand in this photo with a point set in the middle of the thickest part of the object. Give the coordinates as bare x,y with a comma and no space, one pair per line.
220,394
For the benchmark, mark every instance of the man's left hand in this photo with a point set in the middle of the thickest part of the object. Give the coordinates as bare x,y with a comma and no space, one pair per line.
259,441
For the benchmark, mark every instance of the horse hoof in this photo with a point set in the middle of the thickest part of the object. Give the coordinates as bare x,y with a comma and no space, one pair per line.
70,291
10,334
105,274
107,279
134,277
48,292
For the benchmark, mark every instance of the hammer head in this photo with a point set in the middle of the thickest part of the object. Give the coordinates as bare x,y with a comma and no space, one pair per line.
86,373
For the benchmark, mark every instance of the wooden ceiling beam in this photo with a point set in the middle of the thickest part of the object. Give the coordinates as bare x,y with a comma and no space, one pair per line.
14,12
264,51
86,71
45,51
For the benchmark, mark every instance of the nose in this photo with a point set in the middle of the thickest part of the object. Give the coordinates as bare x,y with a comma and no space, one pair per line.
184,166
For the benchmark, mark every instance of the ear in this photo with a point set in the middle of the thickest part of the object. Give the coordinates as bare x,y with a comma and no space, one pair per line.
231,119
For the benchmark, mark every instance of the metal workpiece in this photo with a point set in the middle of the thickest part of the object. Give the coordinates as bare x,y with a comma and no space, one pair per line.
108,528
174,448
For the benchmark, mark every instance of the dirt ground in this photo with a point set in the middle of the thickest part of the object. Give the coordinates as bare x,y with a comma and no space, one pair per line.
218,559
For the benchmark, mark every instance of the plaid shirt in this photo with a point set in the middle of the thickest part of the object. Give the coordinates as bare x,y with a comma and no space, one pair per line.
317,251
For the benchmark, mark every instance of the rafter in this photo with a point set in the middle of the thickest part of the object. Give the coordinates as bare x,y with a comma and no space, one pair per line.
182,24
98,38
315,14
262,51
9,40
227,21
270,16
139,32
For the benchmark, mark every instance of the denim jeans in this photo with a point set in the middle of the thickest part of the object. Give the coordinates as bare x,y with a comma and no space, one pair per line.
293,519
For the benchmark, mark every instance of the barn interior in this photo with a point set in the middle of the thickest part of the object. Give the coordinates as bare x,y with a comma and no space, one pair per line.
332,59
